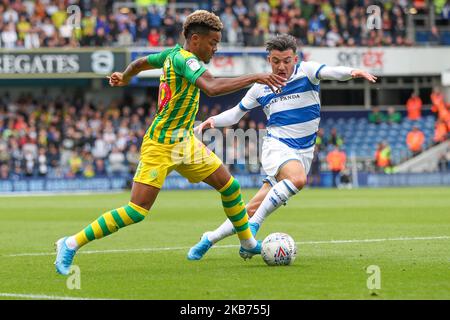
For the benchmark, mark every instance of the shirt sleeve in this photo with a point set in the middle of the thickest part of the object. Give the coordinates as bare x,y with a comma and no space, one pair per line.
189,68
336,73
156,60
250,100
312,69
229,117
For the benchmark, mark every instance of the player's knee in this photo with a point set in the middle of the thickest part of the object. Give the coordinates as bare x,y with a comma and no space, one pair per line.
298,181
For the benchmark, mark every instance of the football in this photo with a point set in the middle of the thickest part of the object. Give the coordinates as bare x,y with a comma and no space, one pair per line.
278,249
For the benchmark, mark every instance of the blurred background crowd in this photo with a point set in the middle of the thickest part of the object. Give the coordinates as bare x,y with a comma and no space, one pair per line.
67,138
47,23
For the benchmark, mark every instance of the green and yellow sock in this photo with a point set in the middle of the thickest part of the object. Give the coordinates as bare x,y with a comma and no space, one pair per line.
235,210
110,222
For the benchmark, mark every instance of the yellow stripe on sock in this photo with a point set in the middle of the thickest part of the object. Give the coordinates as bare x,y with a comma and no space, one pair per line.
234,210
81,238
125,217
233,196
110,223
244,235
241,222
227,185
97,229
139,209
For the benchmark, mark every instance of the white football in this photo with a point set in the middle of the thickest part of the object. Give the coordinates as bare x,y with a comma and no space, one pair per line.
278,249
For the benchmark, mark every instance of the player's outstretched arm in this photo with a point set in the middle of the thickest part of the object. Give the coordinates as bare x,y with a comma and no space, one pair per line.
357,73
219,86
119,79
344,73
224,119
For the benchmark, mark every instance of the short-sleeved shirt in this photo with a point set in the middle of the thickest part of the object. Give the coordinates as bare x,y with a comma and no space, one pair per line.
178,96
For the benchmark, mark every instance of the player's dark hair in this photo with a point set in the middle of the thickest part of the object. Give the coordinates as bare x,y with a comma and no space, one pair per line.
201,22
282,42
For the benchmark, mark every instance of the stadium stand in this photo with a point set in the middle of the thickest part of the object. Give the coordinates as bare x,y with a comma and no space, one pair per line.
35,24
46,137
72,138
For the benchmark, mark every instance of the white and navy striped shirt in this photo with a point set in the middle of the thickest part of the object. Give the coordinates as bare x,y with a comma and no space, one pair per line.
294,114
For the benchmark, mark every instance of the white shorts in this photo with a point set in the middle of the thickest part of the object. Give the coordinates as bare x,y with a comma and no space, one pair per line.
275,154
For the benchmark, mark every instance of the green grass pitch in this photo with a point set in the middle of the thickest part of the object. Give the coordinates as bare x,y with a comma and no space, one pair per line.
405,232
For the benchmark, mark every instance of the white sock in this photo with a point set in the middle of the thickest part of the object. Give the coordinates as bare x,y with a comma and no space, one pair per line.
277,196
249,243
226,229
71,243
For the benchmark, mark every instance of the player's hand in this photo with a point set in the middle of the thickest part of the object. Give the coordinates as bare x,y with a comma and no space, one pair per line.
117,80
274,81
208,123
364,74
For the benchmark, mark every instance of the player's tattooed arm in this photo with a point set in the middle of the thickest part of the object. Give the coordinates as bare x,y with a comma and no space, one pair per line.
219,86
118,79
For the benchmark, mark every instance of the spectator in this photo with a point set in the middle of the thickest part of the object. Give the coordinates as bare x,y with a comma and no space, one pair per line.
4,172
321,140
88,171
437,98
393,116
440,132
335,139
32,39
99,167
414,107
444,162
314,177
42,163
116,162
439,106
376,116
75,165
383,158
153,38
125,39
345,179
100,38
142,32
336,160
415,140
9,36
53,156
132,158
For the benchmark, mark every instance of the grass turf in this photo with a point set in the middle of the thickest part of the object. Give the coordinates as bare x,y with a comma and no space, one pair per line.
410,268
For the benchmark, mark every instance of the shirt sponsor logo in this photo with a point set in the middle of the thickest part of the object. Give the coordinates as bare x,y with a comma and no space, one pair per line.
193,64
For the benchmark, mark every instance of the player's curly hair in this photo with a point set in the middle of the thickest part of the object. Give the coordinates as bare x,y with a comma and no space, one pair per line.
282,42
201,22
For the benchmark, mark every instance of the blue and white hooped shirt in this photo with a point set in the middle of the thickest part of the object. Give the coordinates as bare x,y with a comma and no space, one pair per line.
294,114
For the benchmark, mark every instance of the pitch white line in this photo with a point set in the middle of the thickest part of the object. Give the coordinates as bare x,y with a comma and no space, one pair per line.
232,246
43,297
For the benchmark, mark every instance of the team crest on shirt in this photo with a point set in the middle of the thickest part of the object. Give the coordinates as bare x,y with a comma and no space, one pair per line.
153,174
267,89
193,64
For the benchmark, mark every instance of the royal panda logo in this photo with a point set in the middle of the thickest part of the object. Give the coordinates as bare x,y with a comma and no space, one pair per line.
193,64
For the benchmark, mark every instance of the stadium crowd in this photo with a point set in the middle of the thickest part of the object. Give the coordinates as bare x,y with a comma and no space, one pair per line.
59,137
47,23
